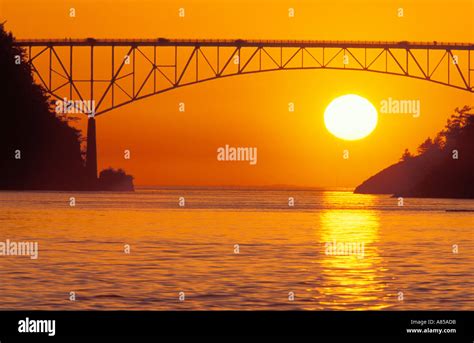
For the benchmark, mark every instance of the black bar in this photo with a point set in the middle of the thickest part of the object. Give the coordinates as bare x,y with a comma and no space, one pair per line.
236,323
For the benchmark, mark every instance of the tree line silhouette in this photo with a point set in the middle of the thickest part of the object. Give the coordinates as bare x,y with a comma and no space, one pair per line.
442,167
39,150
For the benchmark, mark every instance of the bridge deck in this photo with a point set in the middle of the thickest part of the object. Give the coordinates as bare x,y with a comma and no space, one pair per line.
244,43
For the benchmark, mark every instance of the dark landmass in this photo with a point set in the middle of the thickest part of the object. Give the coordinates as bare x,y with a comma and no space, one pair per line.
442,168
115,180
38,149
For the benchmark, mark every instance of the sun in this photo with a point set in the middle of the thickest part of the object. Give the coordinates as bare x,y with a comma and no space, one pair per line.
350,117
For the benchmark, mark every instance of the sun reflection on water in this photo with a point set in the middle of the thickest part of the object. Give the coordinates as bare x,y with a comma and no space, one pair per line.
351,266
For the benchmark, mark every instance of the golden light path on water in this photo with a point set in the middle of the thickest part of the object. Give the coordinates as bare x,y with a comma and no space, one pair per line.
351,264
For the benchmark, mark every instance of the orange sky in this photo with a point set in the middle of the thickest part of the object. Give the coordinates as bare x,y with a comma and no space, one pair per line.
169,147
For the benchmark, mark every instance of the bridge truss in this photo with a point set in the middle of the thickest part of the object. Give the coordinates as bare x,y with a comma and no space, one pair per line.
119,72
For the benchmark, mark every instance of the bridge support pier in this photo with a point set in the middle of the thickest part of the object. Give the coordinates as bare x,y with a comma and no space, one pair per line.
91,153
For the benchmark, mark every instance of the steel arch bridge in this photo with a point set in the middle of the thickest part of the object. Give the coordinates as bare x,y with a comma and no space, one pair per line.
116,72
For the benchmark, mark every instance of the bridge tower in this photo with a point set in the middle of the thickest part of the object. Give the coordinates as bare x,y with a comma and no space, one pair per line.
91,152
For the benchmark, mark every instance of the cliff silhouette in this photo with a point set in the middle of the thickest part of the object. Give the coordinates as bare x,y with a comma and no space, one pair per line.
442,168
38,149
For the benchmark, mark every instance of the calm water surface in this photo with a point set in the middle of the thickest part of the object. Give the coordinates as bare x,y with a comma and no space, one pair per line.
407,249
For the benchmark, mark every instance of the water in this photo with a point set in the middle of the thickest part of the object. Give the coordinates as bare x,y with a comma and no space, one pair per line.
408,251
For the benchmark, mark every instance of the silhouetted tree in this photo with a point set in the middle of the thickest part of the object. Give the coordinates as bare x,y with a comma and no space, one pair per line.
38,150
459,128
406,155
426,146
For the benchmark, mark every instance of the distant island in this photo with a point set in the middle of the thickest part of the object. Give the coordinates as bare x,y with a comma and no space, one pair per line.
115,180
39,150
442,168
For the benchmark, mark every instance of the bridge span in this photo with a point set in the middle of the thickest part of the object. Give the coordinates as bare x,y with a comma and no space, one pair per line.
115,72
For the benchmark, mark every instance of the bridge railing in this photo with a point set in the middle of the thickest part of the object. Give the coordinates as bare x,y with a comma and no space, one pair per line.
244,42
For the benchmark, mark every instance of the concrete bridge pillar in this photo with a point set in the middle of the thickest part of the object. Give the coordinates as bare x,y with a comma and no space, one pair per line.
91,153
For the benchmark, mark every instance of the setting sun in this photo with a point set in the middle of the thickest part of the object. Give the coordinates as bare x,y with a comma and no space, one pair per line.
350,117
